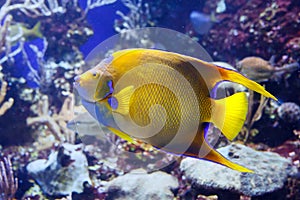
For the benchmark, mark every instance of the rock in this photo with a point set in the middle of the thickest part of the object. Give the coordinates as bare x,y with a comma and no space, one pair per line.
64,172
271,172
139,185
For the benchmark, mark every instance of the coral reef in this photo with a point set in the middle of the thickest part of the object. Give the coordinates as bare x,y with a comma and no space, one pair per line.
289,112
35,66
271,173
56,123
64,172
137,184
40,54
252,26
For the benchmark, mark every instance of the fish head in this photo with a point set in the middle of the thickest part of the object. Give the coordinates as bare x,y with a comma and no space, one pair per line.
94,84
86,84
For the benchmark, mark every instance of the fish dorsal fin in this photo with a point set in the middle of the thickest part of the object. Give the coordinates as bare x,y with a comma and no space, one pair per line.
218,74
229,114
123,99
236,77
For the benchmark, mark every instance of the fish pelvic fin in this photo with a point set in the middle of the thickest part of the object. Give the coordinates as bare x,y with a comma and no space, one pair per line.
121,134
236,77
201,149
229,114
123,99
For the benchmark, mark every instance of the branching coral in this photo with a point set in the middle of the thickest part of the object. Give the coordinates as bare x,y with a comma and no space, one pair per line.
6,19
8,184
96,3
44,65
4,105
7,104
57,122
137,17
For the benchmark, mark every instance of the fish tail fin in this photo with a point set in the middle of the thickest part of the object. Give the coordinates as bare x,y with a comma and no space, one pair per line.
230,113
36,30
216,157
236,77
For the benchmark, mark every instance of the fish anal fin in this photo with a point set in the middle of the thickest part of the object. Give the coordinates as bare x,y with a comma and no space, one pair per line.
201,149
229,114
216,157
123,99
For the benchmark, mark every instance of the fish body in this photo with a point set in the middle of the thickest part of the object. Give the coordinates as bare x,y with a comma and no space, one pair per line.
19,30
260,70
163,98
202,22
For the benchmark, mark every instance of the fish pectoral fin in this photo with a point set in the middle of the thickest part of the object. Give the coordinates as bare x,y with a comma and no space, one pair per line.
123,99
230,113
122,135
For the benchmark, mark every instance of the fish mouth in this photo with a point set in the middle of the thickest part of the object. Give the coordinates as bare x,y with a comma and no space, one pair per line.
76,82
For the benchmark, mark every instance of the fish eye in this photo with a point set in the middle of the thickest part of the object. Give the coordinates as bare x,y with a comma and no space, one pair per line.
95,74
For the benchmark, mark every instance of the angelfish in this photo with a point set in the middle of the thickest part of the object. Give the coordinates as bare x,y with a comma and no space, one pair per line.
163,99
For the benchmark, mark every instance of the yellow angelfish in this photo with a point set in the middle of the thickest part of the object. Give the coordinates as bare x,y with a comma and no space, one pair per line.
163,99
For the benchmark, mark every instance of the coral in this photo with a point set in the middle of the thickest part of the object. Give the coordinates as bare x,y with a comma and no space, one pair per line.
156,185
55,122
137,17
35,66
271,171
59,75
289,112
65,171
6,18
96,3
7,104
290,150
8,184
252,26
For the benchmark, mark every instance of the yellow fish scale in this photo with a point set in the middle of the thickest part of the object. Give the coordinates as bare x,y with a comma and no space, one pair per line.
164,65
172,90
153,94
